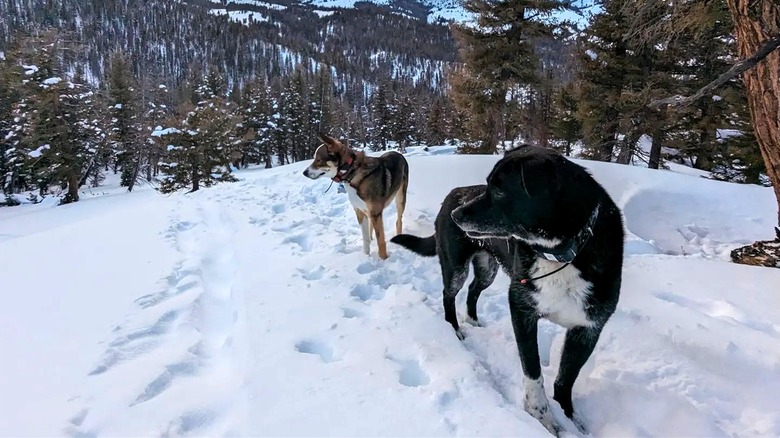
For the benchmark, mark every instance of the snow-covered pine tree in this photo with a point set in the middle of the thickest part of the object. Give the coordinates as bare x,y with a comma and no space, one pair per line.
296,117
156,112
128,143
65,133
200,146
260,116
498,54
321,104
382,108
436,125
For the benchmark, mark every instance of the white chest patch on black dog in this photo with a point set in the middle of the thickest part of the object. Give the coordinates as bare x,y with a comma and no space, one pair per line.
561,297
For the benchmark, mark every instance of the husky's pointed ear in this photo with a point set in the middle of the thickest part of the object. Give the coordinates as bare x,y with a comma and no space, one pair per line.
326,138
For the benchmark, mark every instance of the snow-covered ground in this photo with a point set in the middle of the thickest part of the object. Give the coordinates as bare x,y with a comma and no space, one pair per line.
249,309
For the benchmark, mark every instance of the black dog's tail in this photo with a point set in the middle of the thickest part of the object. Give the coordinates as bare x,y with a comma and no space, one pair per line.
424,246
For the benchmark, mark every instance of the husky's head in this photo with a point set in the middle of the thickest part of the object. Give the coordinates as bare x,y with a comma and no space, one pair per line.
327,158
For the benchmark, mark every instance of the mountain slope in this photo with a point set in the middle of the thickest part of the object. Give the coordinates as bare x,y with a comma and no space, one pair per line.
249,309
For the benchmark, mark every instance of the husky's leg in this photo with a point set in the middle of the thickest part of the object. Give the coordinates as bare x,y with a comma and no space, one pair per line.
365,229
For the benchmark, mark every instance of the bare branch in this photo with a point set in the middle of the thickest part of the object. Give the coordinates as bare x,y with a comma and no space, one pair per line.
742,66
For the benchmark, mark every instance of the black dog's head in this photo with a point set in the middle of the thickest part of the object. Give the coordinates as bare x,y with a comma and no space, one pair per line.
522,199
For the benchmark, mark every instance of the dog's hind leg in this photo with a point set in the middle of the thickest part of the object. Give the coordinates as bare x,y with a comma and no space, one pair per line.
365,229
454,278
485,269
379,230
577,348
400,204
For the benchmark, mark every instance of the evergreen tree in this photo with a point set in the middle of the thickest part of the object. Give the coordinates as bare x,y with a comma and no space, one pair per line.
320,105
65,133
261,118
296,117
126,137
381,117
498,55
566,126
198,150
436,124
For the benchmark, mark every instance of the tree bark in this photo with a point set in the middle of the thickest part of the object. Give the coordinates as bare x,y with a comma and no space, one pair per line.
655,151
73,188
756,23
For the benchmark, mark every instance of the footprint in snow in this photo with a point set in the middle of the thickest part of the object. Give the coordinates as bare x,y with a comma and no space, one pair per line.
317,348
301,240
258,221
164,380
367,292
351,313
312,274
411,373
191,421
366,268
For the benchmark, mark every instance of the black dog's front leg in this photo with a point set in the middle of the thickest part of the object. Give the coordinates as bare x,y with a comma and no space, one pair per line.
525,321
577,348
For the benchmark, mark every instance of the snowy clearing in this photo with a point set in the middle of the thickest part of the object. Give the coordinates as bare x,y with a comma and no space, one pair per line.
249,309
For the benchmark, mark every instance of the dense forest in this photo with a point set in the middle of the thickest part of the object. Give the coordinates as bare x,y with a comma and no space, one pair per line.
182,93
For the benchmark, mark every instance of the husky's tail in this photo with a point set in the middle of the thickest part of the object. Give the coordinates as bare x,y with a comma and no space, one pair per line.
424,246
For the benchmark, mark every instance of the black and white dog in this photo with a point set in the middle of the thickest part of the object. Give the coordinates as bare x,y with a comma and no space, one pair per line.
558,235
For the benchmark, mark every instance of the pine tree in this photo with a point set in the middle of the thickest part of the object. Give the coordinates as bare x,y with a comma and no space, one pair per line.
606,62
200,146
566,126
261,118
498,55
296,117
65,133
321,104
436,124
382,107
125,131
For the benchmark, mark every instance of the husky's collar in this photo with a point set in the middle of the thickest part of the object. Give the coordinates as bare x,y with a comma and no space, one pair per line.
567,251
344,171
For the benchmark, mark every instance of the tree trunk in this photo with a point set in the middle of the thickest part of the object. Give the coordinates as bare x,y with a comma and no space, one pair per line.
73,188
195,181
655,151
755,22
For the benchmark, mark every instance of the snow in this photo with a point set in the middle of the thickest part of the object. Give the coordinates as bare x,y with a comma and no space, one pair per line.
52,81
249,309
38,152
159,131
30,69
243,17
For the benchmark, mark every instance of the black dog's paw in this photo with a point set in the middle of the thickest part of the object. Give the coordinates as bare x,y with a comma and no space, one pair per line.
474,321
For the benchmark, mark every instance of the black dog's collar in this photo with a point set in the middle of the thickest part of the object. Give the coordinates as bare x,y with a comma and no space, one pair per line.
567,250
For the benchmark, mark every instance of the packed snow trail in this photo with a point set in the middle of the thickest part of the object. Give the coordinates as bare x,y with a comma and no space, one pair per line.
178,358
270,321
